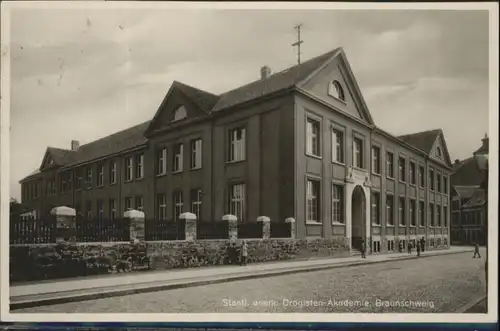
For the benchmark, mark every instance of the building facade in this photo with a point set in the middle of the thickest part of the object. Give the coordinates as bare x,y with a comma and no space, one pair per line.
468,213
298,143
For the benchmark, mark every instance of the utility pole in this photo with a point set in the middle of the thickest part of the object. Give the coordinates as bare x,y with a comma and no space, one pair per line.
298,42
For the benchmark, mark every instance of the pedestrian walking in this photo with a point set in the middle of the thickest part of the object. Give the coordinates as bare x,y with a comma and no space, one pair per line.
476,251
409,247
363,249
422,244
244,252
418,248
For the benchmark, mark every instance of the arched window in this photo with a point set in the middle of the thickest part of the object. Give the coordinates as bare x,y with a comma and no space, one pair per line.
439,152
180,113
336,90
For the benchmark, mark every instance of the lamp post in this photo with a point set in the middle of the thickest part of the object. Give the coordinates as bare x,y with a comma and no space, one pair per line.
481,158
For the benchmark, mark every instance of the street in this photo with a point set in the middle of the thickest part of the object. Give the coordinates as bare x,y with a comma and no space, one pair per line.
434,284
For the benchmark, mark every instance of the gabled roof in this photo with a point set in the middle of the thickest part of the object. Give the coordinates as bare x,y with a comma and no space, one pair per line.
467,174
204,100
117,142
422,140
465,192
276,82
60,156
478,199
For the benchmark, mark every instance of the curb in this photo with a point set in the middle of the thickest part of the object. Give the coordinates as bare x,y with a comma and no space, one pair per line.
161,286
465,308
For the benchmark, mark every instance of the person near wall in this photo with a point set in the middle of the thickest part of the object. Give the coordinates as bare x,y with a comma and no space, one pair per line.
418,248
422,244
400,246
410,246
476,251
244,253
363,249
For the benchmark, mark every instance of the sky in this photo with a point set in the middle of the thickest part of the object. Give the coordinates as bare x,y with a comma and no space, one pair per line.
85,73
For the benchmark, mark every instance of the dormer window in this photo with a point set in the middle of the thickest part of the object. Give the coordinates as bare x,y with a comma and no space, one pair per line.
335,90
179,114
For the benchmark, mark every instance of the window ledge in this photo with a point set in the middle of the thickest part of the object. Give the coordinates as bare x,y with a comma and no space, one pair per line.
377,225
338,163
196,168
314,156
376,174
389,225
413,185
161,174
139,179
177,172
337,223
313,223
235,161
389,177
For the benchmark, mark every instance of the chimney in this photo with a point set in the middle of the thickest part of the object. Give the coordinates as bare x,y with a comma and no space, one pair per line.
265,72
457,161
486,142
75,144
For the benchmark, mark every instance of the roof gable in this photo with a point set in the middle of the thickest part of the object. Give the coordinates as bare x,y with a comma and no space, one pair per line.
55,157
431,142
467,174
334,83
182,103
439,151
276,82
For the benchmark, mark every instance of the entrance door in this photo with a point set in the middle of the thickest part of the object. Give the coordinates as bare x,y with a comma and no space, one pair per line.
358,218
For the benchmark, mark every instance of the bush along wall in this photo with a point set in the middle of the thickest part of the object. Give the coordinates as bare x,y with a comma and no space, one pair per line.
37,262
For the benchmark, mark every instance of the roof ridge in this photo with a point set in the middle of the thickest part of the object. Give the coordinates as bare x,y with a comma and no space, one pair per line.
194,88
115,133
421,132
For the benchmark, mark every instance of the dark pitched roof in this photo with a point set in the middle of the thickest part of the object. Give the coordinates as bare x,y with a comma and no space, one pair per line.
202,99
276,82
467,174
61,156
112,144
422,140
465,192
478,199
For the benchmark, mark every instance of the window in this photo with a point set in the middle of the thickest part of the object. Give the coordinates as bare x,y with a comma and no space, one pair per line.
445,216
236,145
178,204
402,219
431,214
51,186
100,175
127,203
337,204
139,166
161,161
177,160
376,160
79,179
180,113
413,213
112,209
335,90
196,202
402,169
337,146
375,212
313,138
88,179
439,153
390,245
390,165
413,178
438,215
99,209
128,168
389,205
312,200
438,182
237,201
431,179
445,184
196,154
112,172
357,153
65,184
88,210
161,204
139,203
421,178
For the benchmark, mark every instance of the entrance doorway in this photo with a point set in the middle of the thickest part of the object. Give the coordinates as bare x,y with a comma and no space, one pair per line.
358,218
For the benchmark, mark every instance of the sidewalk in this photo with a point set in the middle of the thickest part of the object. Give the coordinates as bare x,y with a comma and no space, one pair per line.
54,292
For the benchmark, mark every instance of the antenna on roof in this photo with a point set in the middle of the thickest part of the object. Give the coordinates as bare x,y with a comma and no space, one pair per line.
298,42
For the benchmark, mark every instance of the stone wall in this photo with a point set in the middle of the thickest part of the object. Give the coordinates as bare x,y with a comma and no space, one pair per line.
50,261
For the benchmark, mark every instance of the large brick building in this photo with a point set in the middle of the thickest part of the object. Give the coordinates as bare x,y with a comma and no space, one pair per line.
468,217
298,143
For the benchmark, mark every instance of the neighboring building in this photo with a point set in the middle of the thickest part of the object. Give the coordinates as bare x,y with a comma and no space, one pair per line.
300,143
468,218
